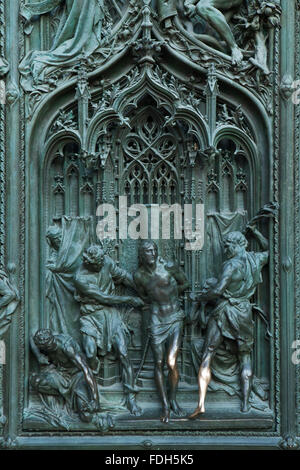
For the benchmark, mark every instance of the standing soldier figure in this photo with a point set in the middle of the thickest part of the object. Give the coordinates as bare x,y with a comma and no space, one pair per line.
232,316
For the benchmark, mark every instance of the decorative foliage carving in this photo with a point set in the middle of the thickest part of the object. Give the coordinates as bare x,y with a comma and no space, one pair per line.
250,34
235,117
287,87
12,93
66,120
289,443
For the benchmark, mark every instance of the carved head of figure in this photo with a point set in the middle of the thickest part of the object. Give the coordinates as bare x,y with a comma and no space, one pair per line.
93,257
54,236
234,244
148,253
44,339
270,12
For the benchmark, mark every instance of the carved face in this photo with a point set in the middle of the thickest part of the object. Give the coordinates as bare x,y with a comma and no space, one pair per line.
54,237
97,264
256,23
94,258
56,242
234,245
231,248
44,340
149,254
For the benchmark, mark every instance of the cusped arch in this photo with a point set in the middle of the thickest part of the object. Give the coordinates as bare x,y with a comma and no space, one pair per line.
239,136
250,152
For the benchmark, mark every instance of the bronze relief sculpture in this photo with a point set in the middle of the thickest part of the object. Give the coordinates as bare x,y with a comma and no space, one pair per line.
160,284
79,29
139,139
9,299
64,372
232,318
215,12
125,302
101,324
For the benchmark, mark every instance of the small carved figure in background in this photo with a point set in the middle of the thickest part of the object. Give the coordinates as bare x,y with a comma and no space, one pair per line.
101,324
9,299
65,372
263,17
217,13
160,284
231,318
79,30
167,10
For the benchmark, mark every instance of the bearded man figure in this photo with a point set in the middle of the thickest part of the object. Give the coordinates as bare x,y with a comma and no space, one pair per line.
101,324
232,317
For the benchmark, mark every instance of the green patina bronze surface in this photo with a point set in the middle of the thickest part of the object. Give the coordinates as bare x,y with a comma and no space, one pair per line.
189,104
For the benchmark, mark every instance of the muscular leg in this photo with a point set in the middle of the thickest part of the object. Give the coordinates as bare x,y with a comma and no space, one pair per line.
90,349
158,354
212,342
246,379
172,354
212,12
127,375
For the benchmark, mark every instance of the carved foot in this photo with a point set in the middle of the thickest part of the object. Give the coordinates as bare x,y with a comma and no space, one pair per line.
133,407
198,411
85,416
176,408
165,417
236,55
263,67
103,421
245,408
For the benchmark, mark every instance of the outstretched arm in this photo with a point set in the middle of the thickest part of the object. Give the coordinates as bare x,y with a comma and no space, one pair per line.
214,291
93,291
182,282
139,286
263,242
120,276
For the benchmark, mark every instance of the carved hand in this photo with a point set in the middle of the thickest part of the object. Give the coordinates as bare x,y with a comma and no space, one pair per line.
50,266
43,360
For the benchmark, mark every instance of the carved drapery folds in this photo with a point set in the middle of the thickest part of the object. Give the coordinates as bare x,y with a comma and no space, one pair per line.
143,100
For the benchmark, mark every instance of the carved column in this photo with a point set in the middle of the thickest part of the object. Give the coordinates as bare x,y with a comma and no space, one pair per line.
14,206
297,206
287,217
